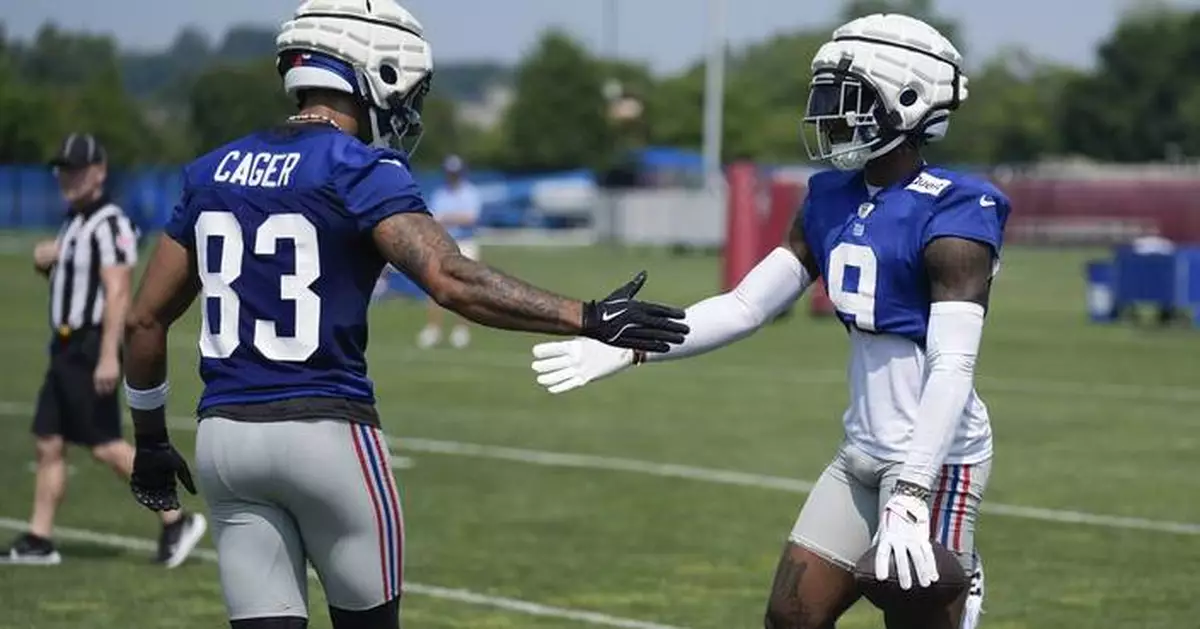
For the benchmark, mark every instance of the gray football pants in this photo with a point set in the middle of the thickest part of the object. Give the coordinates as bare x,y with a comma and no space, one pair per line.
839,519
281,493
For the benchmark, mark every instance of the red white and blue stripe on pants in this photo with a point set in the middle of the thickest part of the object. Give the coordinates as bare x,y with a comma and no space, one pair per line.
389,521
949,514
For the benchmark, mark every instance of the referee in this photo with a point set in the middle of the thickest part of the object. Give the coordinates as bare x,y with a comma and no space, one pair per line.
89,266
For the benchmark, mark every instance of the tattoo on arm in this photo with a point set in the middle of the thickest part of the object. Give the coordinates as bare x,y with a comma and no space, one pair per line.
418,245
959,270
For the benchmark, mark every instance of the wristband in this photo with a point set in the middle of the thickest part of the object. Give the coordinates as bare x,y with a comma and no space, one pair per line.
905,488
147,399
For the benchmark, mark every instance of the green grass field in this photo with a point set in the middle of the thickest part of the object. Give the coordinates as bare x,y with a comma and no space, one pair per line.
1089,420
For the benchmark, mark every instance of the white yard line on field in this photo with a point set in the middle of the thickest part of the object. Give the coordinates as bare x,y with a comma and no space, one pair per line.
596,462
709,475
383,354
451,594
793,376
762,481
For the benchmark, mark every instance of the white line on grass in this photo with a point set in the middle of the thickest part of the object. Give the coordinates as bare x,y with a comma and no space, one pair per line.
711,475
728,477
494,359
595,462
452,594
824,377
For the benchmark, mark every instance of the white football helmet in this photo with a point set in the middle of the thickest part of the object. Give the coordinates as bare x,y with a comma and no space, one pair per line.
881,80
373,49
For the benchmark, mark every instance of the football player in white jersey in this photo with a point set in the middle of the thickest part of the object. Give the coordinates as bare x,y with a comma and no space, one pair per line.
908,252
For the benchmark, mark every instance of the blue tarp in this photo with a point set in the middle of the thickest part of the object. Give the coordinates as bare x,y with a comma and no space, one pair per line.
29,197
667,158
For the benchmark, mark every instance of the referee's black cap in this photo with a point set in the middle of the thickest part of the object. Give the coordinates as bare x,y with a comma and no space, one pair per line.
79,150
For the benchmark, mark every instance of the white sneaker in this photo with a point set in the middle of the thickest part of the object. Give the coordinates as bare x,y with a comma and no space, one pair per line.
429,337
30,550
460,337
179,539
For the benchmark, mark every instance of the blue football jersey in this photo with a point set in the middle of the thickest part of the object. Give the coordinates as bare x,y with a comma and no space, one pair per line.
870,247
280,225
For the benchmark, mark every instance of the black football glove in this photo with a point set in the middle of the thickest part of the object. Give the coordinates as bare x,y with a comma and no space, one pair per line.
621,321
156,465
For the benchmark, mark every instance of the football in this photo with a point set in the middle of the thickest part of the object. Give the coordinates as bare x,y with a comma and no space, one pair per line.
952,581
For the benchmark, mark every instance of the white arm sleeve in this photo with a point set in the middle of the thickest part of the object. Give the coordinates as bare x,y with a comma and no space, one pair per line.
951,347
770,287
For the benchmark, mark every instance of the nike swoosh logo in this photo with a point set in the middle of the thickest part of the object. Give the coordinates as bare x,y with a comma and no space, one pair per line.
609,316
987,201
620,332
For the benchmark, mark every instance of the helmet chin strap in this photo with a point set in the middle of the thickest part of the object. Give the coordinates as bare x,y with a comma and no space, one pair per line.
855,156
416,141
387,133
378,137
852,157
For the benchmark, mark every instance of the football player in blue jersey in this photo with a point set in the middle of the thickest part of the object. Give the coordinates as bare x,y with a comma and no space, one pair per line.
282,233
908,251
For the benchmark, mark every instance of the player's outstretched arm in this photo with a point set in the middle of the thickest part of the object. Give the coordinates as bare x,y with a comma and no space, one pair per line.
418,245
774,284
768,289
168,288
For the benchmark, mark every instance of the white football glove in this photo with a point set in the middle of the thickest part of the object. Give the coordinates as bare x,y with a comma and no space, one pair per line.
566,365
904,533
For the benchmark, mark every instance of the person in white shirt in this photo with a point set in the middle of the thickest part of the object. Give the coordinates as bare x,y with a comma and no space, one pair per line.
456,205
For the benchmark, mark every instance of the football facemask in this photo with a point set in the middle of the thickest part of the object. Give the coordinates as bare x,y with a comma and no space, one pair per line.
842,128
399,125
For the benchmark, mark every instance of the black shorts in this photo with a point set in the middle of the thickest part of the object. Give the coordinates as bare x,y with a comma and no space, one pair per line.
68,405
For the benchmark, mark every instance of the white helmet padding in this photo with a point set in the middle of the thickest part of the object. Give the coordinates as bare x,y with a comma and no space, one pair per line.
390,63
882,79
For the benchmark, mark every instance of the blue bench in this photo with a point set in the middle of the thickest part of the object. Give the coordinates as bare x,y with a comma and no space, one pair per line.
1168,280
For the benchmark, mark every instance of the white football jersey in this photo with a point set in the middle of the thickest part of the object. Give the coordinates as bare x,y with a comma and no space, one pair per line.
886,375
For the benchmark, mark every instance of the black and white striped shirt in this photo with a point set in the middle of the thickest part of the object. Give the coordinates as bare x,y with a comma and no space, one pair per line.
95,237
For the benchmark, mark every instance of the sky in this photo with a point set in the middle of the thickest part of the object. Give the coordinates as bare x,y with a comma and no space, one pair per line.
667,34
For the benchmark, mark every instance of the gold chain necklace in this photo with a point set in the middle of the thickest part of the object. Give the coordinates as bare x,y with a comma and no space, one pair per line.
318,118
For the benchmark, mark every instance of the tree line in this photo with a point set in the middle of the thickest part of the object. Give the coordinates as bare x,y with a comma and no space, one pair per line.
1140,102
